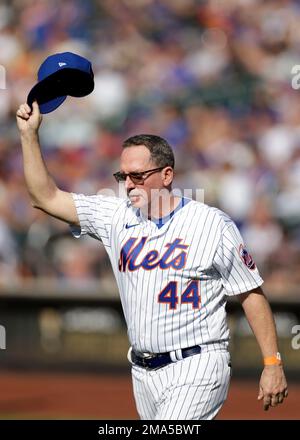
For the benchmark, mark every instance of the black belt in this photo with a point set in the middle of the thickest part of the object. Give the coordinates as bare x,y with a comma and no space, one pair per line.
153,361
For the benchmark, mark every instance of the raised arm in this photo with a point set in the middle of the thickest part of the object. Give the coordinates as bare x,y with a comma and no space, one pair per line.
272,386
44,193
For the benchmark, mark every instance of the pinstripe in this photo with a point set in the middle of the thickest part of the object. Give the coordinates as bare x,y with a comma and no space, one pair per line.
222,390
225,389
206,233
181,312
202,232
148,299
164,386
153,381
192,216
149,306
196,388
118,230
226,258
166,406
239,273
201,412
214,380
139,301
165,316
204,372
176,232
147,400
225,378
138,399
184,403
160,381
141,400
204,308
233,274
152,336
220,395
173,375
189,402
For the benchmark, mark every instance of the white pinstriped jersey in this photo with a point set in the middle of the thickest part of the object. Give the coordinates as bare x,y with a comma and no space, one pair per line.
173,277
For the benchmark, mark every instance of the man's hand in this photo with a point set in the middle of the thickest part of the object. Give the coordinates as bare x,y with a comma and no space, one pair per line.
28,121
272,386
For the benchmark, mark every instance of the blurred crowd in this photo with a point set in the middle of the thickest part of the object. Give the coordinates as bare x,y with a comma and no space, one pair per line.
212,77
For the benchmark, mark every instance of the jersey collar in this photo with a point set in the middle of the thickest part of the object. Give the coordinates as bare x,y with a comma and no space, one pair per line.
160,222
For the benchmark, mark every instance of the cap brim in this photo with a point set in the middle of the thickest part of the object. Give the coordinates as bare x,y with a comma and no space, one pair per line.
51,92
47,95
50,106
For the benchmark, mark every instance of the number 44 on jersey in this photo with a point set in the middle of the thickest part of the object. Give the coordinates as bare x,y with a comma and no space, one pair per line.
169,295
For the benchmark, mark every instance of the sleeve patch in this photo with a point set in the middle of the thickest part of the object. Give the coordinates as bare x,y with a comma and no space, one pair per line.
246,258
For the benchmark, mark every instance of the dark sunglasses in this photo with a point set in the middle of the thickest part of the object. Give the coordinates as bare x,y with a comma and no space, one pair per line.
136,177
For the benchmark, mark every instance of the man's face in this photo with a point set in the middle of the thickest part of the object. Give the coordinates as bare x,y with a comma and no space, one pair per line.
138,159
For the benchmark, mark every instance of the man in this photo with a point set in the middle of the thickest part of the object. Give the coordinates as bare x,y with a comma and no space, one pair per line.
175,260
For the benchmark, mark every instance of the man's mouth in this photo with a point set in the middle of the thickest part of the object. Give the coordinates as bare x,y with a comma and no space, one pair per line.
134,197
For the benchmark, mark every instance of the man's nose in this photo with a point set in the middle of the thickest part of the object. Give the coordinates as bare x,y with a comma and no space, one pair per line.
129,183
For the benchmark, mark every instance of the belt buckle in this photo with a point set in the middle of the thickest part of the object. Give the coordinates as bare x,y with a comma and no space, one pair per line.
142,360
147,357
143,357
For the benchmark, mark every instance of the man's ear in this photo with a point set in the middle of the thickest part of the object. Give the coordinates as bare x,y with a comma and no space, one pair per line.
168,175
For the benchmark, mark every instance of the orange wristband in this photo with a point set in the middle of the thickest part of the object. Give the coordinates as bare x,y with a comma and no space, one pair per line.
273,360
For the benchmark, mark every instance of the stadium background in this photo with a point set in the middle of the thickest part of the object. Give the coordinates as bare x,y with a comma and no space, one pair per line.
212,77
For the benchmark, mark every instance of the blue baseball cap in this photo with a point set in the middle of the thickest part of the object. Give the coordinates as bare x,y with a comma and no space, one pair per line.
60,75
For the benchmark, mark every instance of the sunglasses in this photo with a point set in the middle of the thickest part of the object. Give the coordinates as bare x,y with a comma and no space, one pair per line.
137,177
